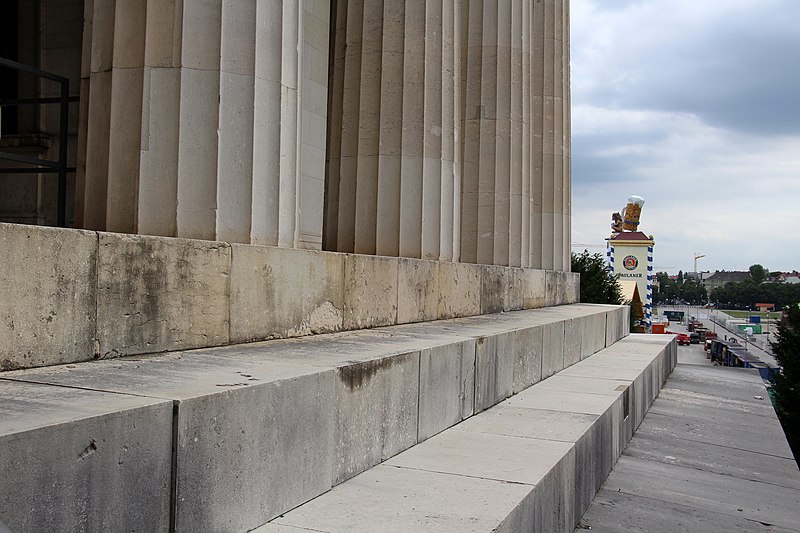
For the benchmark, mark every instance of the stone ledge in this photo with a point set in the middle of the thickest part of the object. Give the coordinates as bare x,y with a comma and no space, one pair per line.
263,427
531,463
73,295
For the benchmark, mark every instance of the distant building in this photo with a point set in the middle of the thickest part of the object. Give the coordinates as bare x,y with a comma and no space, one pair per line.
693,276
721,277
790,277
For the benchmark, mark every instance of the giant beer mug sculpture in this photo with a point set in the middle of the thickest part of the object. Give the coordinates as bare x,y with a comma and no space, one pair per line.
631,213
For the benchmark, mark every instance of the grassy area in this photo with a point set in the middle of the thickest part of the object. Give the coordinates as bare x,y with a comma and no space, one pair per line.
744,314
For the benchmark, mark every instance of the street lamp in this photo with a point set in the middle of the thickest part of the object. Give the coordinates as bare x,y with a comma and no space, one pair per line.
697,275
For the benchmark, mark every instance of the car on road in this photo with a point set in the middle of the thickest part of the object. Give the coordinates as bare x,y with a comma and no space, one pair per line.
684,339
694,337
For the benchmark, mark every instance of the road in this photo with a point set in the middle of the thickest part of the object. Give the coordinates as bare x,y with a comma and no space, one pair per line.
708,316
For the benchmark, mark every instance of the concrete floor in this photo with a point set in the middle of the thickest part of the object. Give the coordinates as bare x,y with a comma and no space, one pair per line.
709,456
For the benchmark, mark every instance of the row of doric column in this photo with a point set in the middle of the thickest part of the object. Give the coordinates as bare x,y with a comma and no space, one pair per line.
205,119
449,131
436,129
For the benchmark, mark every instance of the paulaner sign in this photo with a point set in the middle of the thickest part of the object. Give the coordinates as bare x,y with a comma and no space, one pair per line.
630,252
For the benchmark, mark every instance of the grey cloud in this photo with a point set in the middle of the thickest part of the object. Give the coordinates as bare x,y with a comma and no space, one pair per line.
589,165
736,75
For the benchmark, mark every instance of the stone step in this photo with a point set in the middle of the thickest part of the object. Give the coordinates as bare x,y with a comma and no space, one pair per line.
228,438
531,463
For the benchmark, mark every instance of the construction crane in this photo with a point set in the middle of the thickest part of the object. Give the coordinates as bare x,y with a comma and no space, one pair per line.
696,257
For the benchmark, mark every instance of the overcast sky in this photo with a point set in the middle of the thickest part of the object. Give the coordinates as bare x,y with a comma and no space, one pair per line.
695,106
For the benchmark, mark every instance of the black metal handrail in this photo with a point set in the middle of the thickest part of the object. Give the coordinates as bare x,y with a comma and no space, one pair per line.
43,165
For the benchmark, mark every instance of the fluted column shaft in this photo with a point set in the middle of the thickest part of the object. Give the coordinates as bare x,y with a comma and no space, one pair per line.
392,179
449,131
206,119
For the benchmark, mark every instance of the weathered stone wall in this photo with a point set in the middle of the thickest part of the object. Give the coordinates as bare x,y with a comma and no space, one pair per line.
73,295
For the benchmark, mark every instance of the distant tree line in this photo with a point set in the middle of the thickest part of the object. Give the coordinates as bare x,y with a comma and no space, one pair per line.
745,294
733,295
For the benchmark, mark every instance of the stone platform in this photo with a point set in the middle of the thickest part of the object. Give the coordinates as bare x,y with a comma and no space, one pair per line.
531,463
228,438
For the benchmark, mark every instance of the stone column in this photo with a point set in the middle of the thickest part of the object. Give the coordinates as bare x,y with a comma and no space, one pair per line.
496,187
550,161
98,123
387,232
83,113
209,121
266,123
312,119
126,109
335,126
236,118
566,135
199,119
391,176
158,158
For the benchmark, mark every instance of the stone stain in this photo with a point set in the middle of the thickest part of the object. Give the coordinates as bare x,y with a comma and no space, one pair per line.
88,451
9,364
358,374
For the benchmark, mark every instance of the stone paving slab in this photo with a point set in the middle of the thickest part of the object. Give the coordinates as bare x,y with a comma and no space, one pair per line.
391,499
616,512
742,427
484,455
709,456
705,490
651,445
504,419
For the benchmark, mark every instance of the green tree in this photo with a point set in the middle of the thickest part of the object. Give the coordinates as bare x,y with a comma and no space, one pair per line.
758,273
693,293
667,289
598,285
786,384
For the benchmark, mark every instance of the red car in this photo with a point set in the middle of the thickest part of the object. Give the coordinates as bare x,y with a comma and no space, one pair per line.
684,339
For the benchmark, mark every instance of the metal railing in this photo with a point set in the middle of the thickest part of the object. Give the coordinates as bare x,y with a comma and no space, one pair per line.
41,166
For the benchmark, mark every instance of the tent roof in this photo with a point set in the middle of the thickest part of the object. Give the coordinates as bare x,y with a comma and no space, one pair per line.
630,291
